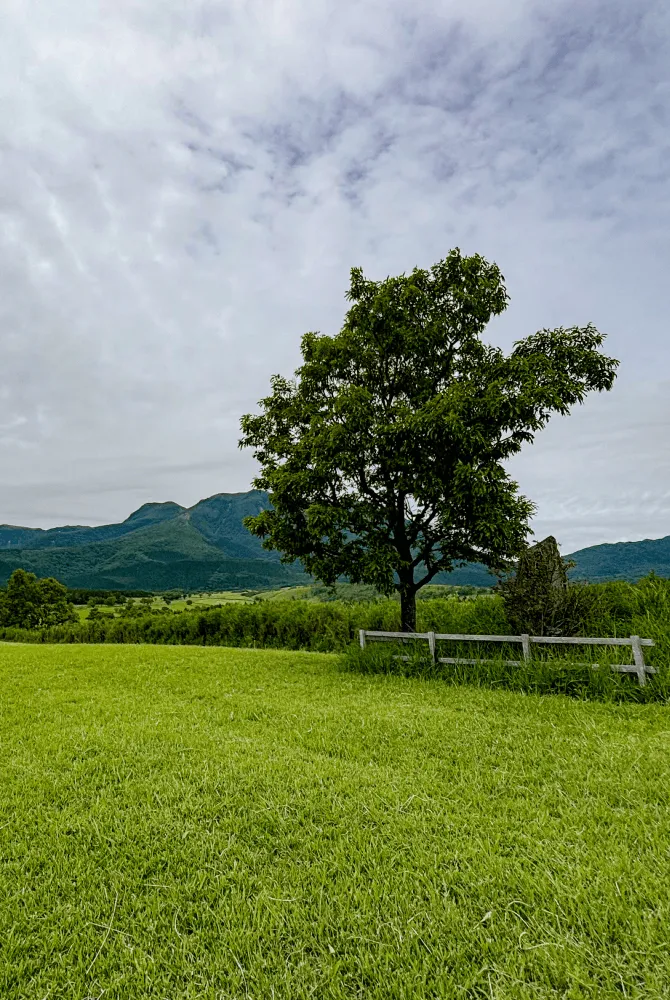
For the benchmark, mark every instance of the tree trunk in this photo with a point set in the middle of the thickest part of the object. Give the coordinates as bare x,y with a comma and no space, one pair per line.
408,608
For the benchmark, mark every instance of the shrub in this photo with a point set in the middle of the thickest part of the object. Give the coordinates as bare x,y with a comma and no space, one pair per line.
538,599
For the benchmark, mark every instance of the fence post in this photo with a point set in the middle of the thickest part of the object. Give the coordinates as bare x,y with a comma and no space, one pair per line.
525,644
639,659
361,637
431,643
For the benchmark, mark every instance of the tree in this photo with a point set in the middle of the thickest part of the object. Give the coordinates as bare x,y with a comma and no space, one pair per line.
382,456
32,603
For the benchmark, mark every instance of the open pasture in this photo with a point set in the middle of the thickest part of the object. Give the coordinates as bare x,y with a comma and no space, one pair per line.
185,822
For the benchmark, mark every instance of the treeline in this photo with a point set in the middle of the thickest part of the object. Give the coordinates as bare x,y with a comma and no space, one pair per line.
621,609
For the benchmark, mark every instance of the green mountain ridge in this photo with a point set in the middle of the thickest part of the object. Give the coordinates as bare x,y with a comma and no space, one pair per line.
162,546
158,547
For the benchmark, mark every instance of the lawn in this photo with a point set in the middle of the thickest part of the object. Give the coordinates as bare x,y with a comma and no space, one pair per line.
184,822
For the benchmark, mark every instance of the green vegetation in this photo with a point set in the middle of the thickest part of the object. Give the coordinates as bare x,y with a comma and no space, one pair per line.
82,595
616,609
116,605
159,547
363,593
163,547
383,457
538,598
33,603
206,823
313,625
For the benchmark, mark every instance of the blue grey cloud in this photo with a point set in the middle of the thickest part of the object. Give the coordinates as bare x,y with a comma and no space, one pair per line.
184,187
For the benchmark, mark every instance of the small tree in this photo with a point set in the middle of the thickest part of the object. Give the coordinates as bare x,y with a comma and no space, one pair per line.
382,457
32,603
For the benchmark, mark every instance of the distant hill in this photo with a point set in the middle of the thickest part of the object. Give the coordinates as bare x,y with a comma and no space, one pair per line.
622,560
162,546
158,547
596,564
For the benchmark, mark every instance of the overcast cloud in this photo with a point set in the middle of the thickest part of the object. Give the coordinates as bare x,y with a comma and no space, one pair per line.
184,187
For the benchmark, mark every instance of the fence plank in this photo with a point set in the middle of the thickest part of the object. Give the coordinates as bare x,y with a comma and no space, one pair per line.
455,659
479,638
398,635
576,640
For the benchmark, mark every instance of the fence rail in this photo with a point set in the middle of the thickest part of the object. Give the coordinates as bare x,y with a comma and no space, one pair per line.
638,666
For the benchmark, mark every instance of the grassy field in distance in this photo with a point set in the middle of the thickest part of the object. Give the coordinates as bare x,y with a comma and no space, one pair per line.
314,592
215,823
197,601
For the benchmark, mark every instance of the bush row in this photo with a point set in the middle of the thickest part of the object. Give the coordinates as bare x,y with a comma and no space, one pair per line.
622,609
326,627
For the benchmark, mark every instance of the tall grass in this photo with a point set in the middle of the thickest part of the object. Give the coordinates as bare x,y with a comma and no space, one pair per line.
327,627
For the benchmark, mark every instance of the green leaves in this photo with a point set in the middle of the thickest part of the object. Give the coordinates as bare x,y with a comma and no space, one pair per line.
32,603
382,456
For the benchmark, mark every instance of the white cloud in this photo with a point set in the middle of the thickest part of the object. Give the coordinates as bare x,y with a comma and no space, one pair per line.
185,186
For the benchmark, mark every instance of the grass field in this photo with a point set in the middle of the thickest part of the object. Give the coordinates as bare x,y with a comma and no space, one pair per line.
180,822
198,602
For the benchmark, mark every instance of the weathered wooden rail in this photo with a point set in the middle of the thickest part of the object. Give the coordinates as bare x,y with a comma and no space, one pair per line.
638,666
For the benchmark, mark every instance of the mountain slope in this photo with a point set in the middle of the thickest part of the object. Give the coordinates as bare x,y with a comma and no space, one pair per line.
158,547
622,560
206,547
13,537
219,520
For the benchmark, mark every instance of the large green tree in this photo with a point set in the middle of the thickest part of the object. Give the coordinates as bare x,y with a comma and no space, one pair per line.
382,456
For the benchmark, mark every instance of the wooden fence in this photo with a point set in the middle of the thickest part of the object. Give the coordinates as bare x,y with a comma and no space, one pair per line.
638,666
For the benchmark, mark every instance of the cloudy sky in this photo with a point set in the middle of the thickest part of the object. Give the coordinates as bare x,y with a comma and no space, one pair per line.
185,185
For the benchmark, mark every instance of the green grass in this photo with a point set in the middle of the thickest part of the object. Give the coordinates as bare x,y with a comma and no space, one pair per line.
198,602
208,600
182,822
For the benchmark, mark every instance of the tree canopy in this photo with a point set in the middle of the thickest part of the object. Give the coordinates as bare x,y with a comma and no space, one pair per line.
381,457
31,603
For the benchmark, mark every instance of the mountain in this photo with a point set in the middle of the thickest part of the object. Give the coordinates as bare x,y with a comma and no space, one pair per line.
162,546
12,537
158,547
622,560
596,564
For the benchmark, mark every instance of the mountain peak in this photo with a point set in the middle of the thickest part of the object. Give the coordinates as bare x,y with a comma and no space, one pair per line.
154,512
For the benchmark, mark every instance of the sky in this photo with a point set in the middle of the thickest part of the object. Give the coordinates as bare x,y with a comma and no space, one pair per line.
185,186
